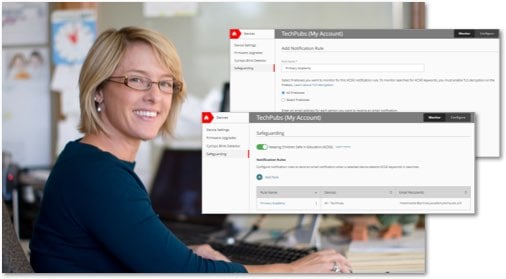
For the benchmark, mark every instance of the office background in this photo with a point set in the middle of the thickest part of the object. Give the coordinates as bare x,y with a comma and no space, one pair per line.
466,246
201,37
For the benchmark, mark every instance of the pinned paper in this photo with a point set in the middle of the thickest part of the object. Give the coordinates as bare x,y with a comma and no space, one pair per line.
163,9
73,32
24,23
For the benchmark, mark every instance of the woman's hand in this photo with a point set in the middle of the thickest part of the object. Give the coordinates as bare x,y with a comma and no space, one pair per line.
322,262
207,252
326,261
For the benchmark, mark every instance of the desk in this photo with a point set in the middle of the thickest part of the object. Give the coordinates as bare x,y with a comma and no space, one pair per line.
403,255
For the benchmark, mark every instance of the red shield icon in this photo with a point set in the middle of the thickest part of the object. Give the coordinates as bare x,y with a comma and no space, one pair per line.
207,117
234,33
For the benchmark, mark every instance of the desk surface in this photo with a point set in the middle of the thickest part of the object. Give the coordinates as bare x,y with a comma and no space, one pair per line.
403,255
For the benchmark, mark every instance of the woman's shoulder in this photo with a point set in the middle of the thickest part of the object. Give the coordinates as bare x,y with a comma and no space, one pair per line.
86,155
84,173
87,165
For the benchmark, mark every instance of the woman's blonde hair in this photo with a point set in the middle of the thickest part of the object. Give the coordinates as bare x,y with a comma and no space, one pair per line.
103,59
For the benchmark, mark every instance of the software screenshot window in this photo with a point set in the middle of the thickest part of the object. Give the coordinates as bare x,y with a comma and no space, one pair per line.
334,162
370,71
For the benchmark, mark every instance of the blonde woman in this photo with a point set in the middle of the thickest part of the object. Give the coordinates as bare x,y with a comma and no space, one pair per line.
96,215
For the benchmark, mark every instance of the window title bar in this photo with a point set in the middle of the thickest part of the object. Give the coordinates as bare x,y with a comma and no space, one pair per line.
385,33
359,117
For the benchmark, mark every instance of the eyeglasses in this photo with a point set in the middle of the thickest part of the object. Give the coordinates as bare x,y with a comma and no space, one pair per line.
168,86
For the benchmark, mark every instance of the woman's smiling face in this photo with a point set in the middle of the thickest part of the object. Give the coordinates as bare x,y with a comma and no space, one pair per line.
131,114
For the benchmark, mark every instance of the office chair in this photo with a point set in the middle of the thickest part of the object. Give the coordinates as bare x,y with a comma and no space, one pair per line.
14,259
